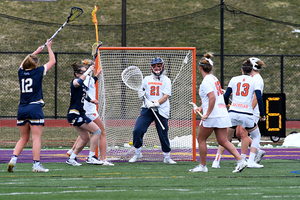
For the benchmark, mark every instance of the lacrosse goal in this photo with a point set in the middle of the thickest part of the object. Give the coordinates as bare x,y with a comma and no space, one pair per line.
119,106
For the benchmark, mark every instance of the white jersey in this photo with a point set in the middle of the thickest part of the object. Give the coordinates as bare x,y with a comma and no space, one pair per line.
155,89
258,79
88,106
211,84
243,88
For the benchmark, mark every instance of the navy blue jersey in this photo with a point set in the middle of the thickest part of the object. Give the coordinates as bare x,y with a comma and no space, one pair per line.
31,85
78,94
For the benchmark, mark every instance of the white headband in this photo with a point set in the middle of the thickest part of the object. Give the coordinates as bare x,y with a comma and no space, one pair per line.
253,62
210,61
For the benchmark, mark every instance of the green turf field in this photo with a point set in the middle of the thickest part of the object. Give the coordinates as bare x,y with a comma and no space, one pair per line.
279,179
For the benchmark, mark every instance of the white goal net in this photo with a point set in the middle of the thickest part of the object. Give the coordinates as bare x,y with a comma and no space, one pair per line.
120,106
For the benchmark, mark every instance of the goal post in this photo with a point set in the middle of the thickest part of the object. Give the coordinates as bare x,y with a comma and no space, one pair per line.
119,106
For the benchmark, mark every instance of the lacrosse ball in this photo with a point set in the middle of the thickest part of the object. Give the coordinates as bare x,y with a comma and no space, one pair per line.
155,146
130,143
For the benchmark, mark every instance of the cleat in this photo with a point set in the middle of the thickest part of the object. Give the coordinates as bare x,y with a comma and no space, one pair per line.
135,158
107,163
39,168
241,164
259,154
216,164
254,165
11,166
73,162
93,160
199,168
69,152
169,161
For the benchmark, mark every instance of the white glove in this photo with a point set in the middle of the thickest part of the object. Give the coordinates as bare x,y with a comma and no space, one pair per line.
141,94
152,104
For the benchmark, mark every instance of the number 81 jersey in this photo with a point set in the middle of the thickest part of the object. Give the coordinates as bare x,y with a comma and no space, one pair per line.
155,89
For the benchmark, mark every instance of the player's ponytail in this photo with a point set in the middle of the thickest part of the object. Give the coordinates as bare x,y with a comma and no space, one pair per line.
30,62
206,63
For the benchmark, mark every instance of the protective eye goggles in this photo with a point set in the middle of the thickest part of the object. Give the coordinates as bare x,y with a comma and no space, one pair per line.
156,65
81,71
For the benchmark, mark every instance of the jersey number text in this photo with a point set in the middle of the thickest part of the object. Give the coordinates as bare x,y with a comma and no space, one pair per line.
26,85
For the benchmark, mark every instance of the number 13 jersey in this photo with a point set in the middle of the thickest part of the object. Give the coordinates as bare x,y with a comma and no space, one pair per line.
243,88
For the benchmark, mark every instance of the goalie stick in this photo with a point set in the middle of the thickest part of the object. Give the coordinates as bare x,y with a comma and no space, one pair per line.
133,78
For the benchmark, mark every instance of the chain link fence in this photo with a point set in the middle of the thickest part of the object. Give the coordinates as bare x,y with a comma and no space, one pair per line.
281,75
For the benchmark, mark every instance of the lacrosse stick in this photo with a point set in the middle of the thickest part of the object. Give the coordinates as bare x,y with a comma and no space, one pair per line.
95,51
75,12
133,78
91,62
96,29
195,107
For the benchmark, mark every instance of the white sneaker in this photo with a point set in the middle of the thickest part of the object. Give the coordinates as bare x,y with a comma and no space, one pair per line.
69,152
169,161
259,154
216,164
240,166
11,166
107,163
39,168
73,162
254,165
199,168
135,158
93,160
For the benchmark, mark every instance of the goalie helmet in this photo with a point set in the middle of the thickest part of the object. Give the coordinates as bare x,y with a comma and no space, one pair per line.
157,70
254,63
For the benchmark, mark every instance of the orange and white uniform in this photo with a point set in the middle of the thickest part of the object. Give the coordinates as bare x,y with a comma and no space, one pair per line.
243,89
155,89
219,117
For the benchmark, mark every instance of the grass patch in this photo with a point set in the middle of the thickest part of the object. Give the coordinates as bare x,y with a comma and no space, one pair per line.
151,180
153,23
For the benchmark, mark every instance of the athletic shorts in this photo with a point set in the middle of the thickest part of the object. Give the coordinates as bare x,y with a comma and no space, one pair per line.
92,116
256,119
245,120
218,122
32,113
78,120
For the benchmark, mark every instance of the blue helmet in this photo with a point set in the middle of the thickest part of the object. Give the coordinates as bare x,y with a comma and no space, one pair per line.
156,61
159,71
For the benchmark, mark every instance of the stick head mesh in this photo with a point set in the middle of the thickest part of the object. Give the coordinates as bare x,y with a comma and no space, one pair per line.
132,77
75,12
95,47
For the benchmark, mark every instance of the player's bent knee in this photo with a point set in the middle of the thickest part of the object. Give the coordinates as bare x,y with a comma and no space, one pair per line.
97,132
255,138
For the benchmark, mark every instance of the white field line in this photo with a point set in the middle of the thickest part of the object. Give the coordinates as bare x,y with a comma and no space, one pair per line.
179,189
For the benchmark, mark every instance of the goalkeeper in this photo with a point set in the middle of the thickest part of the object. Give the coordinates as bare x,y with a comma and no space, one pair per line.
157,89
